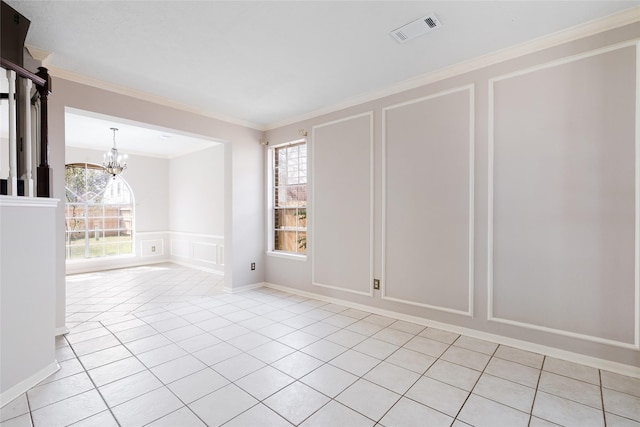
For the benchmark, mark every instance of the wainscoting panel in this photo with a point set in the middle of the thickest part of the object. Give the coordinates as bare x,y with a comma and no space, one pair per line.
428,181
204,251
151,247
563,190
180,247
342,204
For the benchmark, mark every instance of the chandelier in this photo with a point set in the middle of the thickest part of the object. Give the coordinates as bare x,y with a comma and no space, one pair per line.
114,162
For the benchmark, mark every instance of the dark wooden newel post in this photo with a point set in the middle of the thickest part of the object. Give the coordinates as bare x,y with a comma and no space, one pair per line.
44,171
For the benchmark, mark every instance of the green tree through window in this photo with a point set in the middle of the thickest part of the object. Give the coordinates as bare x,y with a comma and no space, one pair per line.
98,213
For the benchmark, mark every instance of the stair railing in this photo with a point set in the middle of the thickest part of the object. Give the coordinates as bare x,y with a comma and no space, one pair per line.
27,128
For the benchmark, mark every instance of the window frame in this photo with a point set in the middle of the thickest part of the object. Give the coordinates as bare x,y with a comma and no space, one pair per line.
271,198
87,215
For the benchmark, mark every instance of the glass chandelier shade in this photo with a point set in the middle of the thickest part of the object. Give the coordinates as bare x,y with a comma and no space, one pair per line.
114,163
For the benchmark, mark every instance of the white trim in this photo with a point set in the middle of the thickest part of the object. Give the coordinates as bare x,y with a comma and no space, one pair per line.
270,200
72,76
587,29
28,202
620,368
490,195
62,330
194,266
286,255
566,60
208,261
471,237
94,268
284,144
184,233
369,114
24,385
562,332
232,290
637,195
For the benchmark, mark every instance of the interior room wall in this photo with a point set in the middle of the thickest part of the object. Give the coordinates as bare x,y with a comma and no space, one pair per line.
196,208
243,193
196,191
27,347
504,202
148,178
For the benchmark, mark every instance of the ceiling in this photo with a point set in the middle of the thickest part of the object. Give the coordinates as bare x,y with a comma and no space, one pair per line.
263,63
93,131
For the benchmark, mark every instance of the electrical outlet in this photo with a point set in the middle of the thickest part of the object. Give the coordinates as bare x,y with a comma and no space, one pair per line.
253,266
376,284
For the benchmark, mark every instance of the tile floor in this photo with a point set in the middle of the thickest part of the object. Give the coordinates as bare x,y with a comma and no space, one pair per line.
163,346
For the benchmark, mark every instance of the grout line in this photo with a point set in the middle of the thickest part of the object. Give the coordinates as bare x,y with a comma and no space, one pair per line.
92,382
476,382
179,291
535,395
604,414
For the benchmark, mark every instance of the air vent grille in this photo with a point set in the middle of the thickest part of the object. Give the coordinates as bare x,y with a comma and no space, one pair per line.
416,28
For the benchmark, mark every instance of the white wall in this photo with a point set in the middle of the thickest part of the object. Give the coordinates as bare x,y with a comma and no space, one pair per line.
196,210
504,202
243,193
27,312
196,191
179,209
147,176
149,180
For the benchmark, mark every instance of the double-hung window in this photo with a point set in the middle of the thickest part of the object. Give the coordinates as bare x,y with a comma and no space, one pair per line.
289,198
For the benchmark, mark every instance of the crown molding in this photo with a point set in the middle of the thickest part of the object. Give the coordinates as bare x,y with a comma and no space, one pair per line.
617,20
65,74
39,54
586,29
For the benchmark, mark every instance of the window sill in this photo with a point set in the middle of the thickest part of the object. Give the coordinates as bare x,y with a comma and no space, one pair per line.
286,255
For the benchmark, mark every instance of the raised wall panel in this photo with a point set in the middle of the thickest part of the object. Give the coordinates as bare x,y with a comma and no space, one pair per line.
342,204
180,248
151,247
563,171
428,201
205,252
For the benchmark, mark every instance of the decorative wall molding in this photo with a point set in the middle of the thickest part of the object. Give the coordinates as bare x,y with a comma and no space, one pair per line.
620,368
203,251
471,89
206,252
312,217
151,247
490,229
180,248
587,29
73,76
28,202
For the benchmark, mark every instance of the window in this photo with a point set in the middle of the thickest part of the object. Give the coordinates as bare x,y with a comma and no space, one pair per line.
98,213
289,181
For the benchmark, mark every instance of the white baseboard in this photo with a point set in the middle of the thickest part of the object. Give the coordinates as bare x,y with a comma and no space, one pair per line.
62,330
93,268
196,267
607,365
24,385
245,288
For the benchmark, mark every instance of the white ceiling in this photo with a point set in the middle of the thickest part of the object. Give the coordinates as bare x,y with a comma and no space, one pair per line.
90,130
266,62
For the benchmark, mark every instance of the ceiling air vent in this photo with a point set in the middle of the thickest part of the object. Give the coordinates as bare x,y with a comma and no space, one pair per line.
416,28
